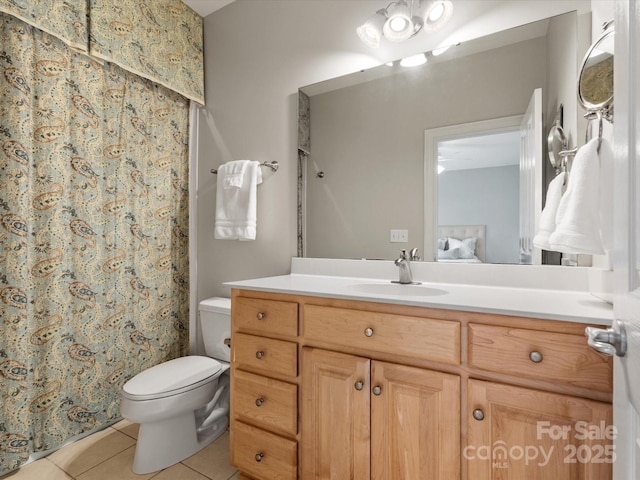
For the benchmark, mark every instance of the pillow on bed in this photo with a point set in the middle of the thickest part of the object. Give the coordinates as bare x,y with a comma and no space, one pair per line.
451,254
443,243
467,246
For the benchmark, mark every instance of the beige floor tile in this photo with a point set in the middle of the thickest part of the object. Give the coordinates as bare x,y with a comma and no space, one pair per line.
80,456
38,470
179,472
124,423
116,468
128,428
213,461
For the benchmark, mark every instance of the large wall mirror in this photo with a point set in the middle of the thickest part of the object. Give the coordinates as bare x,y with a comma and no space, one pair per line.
367,180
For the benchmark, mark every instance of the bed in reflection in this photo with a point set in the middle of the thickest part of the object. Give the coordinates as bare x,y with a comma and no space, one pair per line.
461,243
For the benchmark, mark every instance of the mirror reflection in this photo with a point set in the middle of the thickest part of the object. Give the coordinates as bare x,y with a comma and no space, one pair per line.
478,193
596,78
367,189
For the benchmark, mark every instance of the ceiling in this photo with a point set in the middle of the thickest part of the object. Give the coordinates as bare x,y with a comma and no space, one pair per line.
205,7
480,151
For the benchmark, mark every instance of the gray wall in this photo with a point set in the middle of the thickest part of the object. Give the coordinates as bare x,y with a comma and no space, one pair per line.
484,196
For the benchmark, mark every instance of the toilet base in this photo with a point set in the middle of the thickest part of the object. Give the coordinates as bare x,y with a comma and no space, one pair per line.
165,443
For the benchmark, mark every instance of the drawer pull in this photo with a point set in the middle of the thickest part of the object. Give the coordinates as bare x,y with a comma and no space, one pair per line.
368,332
535,357
259,354
261,315
259,456
359,385
259,401
377,390
478,414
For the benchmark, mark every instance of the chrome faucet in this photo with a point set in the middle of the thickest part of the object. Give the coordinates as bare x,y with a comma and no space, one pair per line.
403,262
413,255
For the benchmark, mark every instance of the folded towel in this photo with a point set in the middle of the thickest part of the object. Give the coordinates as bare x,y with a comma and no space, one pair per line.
548,216
233,173
578,218
236,197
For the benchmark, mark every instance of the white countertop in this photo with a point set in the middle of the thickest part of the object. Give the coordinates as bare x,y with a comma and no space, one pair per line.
567,305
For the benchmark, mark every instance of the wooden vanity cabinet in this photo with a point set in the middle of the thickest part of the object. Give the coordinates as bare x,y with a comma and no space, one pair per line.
264,388
364,418
520,433
362,390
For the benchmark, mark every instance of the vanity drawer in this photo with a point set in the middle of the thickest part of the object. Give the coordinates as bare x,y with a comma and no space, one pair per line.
262,454
554,357
266,316
265,355
417,337
266,402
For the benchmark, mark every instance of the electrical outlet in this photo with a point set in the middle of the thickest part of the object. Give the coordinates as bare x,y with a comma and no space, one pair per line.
399,236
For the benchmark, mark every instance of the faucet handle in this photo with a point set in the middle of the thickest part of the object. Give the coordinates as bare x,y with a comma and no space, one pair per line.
413,254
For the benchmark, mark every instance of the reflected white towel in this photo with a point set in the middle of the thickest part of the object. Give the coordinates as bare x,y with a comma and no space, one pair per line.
236,200
549,213
578,219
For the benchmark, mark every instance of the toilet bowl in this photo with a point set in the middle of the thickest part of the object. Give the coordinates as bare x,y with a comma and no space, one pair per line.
182,405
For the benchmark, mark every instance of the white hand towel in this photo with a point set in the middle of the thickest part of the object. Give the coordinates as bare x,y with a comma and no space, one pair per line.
548,215
578,219
236,200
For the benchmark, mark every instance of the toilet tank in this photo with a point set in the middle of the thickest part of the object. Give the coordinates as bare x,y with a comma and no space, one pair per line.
215,324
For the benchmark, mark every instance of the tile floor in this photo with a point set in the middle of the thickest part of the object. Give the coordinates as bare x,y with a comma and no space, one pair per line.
108,455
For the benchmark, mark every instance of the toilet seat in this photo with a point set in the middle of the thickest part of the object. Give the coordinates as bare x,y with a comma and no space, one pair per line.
172,378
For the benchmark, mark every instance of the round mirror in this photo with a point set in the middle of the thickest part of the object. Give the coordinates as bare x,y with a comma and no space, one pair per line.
595,83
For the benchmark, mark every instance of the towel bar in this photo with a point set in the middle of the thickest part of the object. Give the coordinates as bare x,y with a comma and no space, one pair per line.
272,165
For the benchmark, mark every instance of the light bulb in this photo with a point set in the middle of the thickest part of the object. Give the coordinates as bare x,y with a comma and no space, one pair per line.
371,31
436,12
414,60
440,51
398,26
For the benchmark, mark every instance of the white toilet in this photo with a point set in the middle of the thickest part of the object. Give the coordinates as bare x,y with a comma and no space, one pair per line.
182,405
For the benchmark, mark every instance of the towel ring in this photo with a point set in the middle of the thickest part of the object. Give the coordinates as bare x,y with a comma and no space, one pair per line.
272,165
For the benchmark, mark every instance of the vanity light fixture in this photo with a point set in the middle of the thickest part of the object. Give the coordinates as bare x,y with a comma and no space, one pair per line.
413,60
440,51
400,20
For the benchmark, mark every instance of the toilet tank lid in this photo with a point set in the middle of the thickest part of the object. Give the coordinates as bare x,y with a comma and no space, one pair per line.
172,376
216,304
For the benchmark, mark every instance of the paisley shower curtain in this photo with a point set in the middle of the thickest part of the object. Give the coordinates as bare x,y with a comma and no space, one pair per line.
93,237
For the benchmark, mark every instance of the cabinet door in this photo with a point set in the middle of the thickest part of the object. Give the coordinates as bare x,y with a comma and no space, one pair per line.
335,416
415,423
516,433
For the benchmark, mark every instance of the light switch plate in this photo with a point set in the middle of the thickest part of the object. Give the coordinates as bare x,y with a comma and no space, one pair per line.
399,236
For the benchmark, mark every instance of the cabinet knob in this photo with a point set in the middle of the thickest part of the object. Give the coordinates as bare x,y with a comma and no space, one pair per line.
478,414
259,456
261,315
259,354
359,385
368,332
377,390
535,357
259,401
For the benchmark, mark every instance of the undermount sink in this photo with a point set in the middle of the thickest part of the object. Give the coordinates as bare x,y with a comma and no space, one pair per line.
397,289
